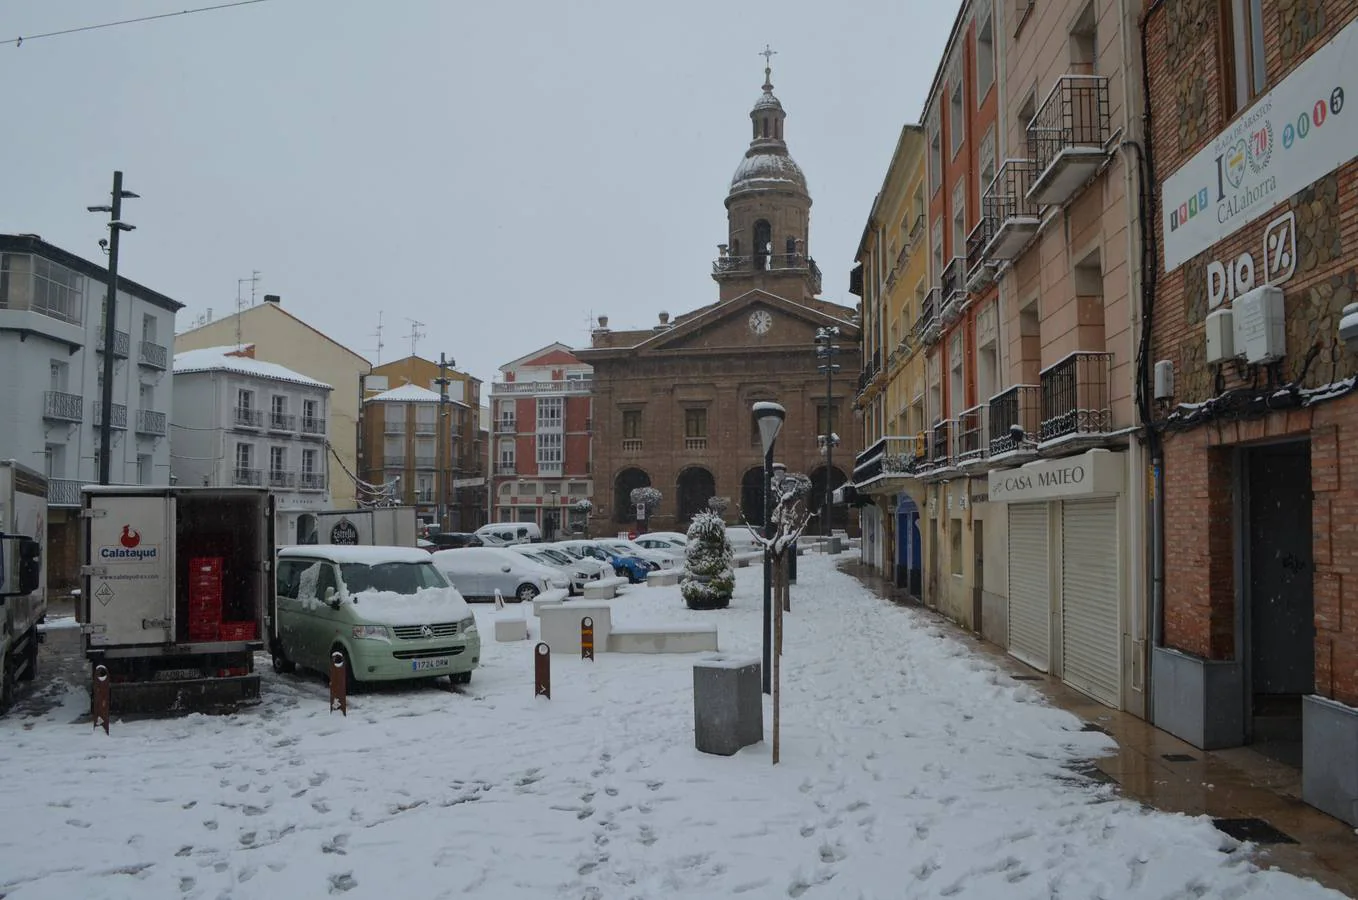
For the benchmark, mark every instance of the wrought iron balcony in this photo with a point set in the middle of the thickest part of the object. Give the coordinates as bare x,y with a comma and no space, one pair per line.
928,326
1066,139
249,418
394,461
777,262
954,290
60,406
118,419
122,343
505,468
156,356
1005,202
1075,399
1019,405
939,451
916,232
980,269
888,460
282,422
311,481
63,492
150,422
281,479
505,425
973,438
248,477
313,426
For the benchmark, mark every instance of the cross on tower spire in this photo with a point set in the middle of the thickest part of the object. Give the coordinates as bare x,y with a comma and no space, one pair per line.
768,55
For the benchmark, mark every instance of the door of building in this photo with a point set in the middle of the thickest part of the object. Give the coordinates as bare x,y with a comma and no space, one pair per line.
1029,585
978,576
1090,631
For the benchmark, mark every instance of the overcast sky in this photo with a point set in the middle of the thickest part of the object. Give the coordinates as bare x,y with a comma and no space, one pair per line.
498,171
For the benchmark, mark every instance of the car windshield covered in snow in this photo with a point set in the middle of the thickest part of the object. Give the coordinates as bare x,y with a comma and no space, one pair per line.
393,577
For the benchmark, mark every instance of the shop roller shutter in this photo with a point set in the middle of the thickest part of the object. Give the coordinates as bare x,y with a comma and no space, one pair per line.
1090,636
1029,585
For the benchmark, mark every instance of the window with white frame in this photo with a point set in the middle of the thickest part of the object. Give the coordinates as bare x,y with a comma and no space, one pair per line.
245,399
957,396
424,487
959,218
245,460
394,450
506,453
148,328
550,412
145,469
935,154
985,50
1244,74
987,157
549,451
58,375
957,114
278,460
938,249
310,462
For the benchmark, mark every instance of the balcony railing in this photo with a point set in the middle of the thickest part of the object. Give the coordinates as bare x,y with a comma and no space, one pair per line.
505,425
941,443
149,421
563,386
1075,397
916,232
953,290
1015,218
1019,405
777,262
694,444
281,479
249,477
631,445
980,270
118,419
424,496
249,418
313,425
396,426
1066,138
157,356
504,468
893,456
122,343
928,326
394,461
62,407
311,481
973,438
282,422
425,462
426,427
63,492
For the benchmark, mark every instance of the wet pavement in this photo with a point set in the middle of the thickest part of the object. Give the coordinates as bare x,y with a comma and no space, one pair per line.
1253,796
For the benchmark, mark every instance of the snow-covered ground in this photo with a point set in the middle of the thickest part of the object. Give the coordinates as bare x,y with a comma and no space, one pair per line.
910,768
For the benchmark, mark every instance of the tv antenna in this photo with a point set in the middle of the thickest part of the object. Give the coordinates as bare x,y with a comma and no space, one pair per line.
416,332
378,334
253,281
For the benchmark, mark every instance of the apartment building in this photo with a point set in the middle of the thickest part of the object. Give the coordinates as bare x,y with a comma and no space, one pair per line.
280,337
243,422
51,362
892,277
460,474
1257,230
542,440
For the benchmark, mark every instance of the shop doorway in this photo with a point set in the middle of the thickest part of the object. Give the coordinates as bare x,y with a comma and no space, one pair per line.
978,575
1279,606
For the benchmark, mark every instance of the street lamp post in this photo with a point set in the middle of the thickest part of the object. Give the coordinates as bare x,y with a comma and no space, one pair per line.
116,226
443,447
826,350
770,418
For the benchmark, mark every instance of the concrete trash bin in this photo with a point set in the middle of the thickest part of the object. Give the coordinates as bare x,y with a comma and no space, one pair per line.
728,709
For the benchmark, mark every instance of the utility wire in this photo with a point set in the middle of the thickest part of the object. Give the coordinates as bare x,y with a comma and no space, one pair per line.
19,41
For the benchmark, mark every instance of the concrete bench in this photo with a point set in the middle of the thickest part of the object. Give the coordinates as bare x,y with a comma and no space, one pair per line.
560,627
510,627
542,601
662,577
728,711
748,558
603,589
695,638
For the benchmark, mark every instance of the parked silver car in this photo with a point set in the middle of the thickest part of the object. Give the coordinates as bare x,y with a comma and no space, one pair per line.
481,571
579,571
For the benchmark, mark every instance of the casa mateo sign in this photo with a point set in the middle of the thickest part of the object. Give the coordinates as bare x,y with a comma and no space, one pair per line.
1097,472
1294,134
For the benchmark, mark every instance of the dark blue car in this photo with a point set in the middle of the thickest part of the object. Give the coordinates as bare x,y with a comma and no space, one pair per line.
632,568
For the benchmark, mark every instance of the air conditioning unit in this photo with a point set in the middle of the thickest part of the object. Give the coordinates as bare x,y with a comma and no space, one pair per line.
1220,336
1260,325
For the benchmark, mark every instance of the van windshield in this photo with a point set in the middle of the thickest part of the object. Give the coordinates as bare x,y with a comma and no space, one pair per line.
396,578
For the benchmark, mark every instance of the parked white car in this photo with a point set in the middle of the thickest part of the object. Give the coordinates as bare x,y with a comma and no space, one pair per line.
665,559
674,537
510,532
579,571
665,544
741,540
481,571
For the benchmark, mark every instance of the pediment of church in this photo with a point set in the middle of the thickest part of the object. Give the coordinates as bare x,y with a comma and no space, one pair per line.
755,320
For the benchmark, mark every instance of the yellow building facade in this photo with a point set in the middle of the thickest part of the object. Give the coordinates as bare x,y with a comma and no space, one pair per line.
892,277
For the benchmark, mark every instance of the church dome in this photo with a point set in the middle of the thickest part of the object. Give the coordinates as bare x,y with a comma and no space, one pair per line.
767,165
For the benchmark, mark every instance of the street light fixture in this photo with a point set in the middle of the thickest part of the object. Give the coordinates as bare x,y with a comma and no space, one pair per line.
116,226
770,418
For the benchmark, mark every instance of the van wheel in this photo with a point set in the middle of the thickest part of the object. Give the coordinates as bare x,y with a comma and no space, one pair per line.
31,656
281,664
460,678
526,593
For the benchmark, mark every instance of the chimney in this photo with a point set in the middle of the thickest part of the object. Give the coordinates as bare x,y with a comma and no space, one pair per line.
664,322
273,298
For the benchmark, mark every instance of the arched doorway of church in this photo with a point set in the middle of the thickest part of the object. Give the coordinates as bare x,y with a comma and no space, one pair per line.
694,488
752,496
763,243
839,513
627,481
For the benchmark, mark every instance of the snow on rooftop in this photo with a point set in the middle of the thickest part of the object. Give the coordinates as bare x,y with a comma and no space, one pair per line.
220,359
408,393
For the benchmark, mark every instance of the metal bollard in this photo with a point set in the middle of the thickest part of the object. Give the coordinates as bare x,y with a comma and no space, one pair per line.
339,685
587,638
542,671
100,703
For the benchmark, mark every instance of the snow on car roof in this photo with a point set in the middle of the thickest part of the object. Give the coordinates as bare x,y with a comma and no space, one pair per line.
364,555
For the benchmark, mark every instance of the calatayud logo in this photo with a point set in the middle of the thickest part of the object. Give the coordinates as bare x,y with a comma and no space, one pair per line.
131,547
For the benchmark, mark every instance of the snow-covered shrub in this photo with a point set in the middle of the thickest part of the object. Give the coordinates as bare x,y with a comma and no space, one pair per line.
648,497
584,506
708,579
719,505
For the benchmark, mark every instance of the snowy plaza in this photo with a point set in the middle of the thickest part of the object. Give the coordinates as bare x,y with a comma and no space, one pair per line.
910,767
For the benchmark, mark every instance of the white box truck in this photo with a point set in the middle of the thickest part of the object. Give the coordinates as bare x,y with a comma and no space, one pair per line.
178,593
23,576
383,526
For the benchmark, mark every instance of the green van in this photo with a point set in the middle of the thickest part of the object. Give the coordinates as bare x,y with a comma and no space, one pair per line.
392,614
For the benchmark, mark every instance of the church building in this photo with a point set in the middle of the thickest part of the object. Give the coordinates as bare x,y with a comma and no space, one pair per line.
673,404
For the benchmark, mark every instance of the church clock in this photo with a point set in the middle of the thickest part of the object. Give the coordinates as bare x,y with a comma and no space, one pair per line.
761,320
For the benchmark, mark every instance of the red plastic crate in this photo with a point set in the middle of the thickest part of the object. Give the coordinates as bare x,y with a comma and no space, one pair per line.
237,631
203,631
205,564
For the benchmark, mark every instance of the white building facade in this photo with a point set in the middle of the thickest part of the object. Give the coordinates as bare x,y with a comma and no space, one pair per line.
242,422
51,363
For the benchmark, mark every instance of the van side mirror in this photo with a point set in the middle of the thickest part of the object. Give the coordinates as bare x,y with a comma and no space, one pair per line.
330,599
504,568
20,565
